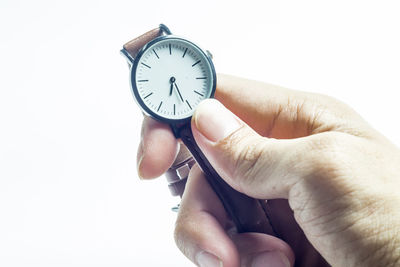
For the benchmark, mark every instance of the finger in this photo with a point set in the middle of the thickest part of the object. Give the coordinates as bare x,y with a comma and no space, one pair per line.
200,232
279,112
257,249
157,149
260,167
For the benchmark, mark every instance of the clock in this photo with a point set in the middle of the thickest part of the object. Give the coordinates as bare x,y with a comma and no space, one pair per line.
170,76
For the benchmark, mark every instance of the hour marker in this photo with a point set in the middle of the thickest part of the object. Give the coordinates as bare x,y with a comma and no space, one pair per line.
146,65
147,95
188,104
159,106
197,62
198,93
201,78
169,48
156,54
174,109
184,53
141,81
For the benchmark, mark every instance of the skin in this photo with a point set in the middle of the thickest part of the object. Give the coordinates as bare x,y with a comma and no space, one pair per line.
331,180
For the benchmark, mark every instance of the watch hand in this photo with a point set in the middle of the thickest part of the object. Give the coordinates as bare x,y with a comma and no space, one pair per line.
172,81
178,91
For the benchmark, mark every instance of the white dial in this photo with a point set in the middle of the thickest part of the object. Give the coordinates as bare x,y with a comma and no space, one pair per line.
172,77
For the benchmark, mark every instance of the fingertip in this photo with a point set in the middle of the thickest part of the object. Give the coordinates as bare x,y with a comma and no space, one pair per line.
258,249
206,259
214,121
157,149
270,258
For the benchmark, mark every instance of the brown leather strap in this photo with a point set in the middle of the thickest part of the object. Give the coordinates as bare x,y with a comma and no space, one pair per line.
247,213
134,46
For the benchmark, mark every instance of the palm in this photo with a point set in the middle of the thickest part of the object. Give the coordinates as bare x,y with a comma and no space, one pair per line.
284,224
269,111
271,118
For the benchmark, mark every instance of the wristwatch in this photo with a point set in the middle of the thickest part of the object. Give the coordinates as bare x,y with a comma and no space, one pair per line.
169,77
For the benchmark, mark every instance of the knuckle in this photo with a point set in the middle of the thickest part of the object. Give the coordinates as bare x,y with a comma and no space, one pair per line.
321,113
327,156
247,158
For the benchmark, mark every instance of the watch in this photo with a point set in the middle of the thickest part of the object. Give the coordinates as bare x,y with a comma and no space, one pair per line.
169,77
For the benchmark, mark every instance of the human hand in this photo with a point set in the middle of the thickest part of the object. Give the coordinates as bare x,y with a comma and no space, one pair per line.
336,178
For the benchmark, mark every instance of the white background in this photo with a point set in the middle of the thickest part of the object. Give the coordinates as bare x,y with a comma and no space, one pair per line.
69,128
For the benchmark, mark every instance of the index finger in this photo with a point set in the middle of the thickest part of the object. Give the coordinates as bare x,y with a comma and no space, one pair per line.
282,113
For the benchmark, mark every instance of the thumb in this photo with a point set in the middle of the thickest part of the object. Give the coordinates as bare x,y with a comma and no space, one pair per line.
257,166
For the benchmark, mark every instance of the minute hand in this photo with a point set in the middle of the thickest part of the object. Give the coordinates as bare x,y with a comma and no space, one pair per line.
178,91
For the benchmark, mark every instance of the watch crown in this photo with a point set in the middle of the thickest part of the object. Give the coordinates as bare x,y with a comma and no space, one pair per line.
209,54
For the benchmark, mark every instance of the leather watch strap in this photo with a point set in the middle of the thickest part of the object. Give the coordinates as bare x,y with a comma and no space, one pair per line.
248,214
133,46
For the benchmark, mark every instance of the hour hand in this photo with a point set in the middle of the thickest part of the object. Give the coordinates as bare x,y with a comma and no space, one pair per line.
171,81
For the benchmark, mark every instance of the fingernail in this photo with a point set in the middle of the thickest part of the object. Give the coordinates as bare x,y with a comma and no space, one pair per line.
214,121
205,259
270,259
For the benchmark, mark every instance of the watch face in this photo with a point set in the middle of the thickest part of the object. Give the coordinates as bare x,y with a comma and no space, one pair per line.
170,77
